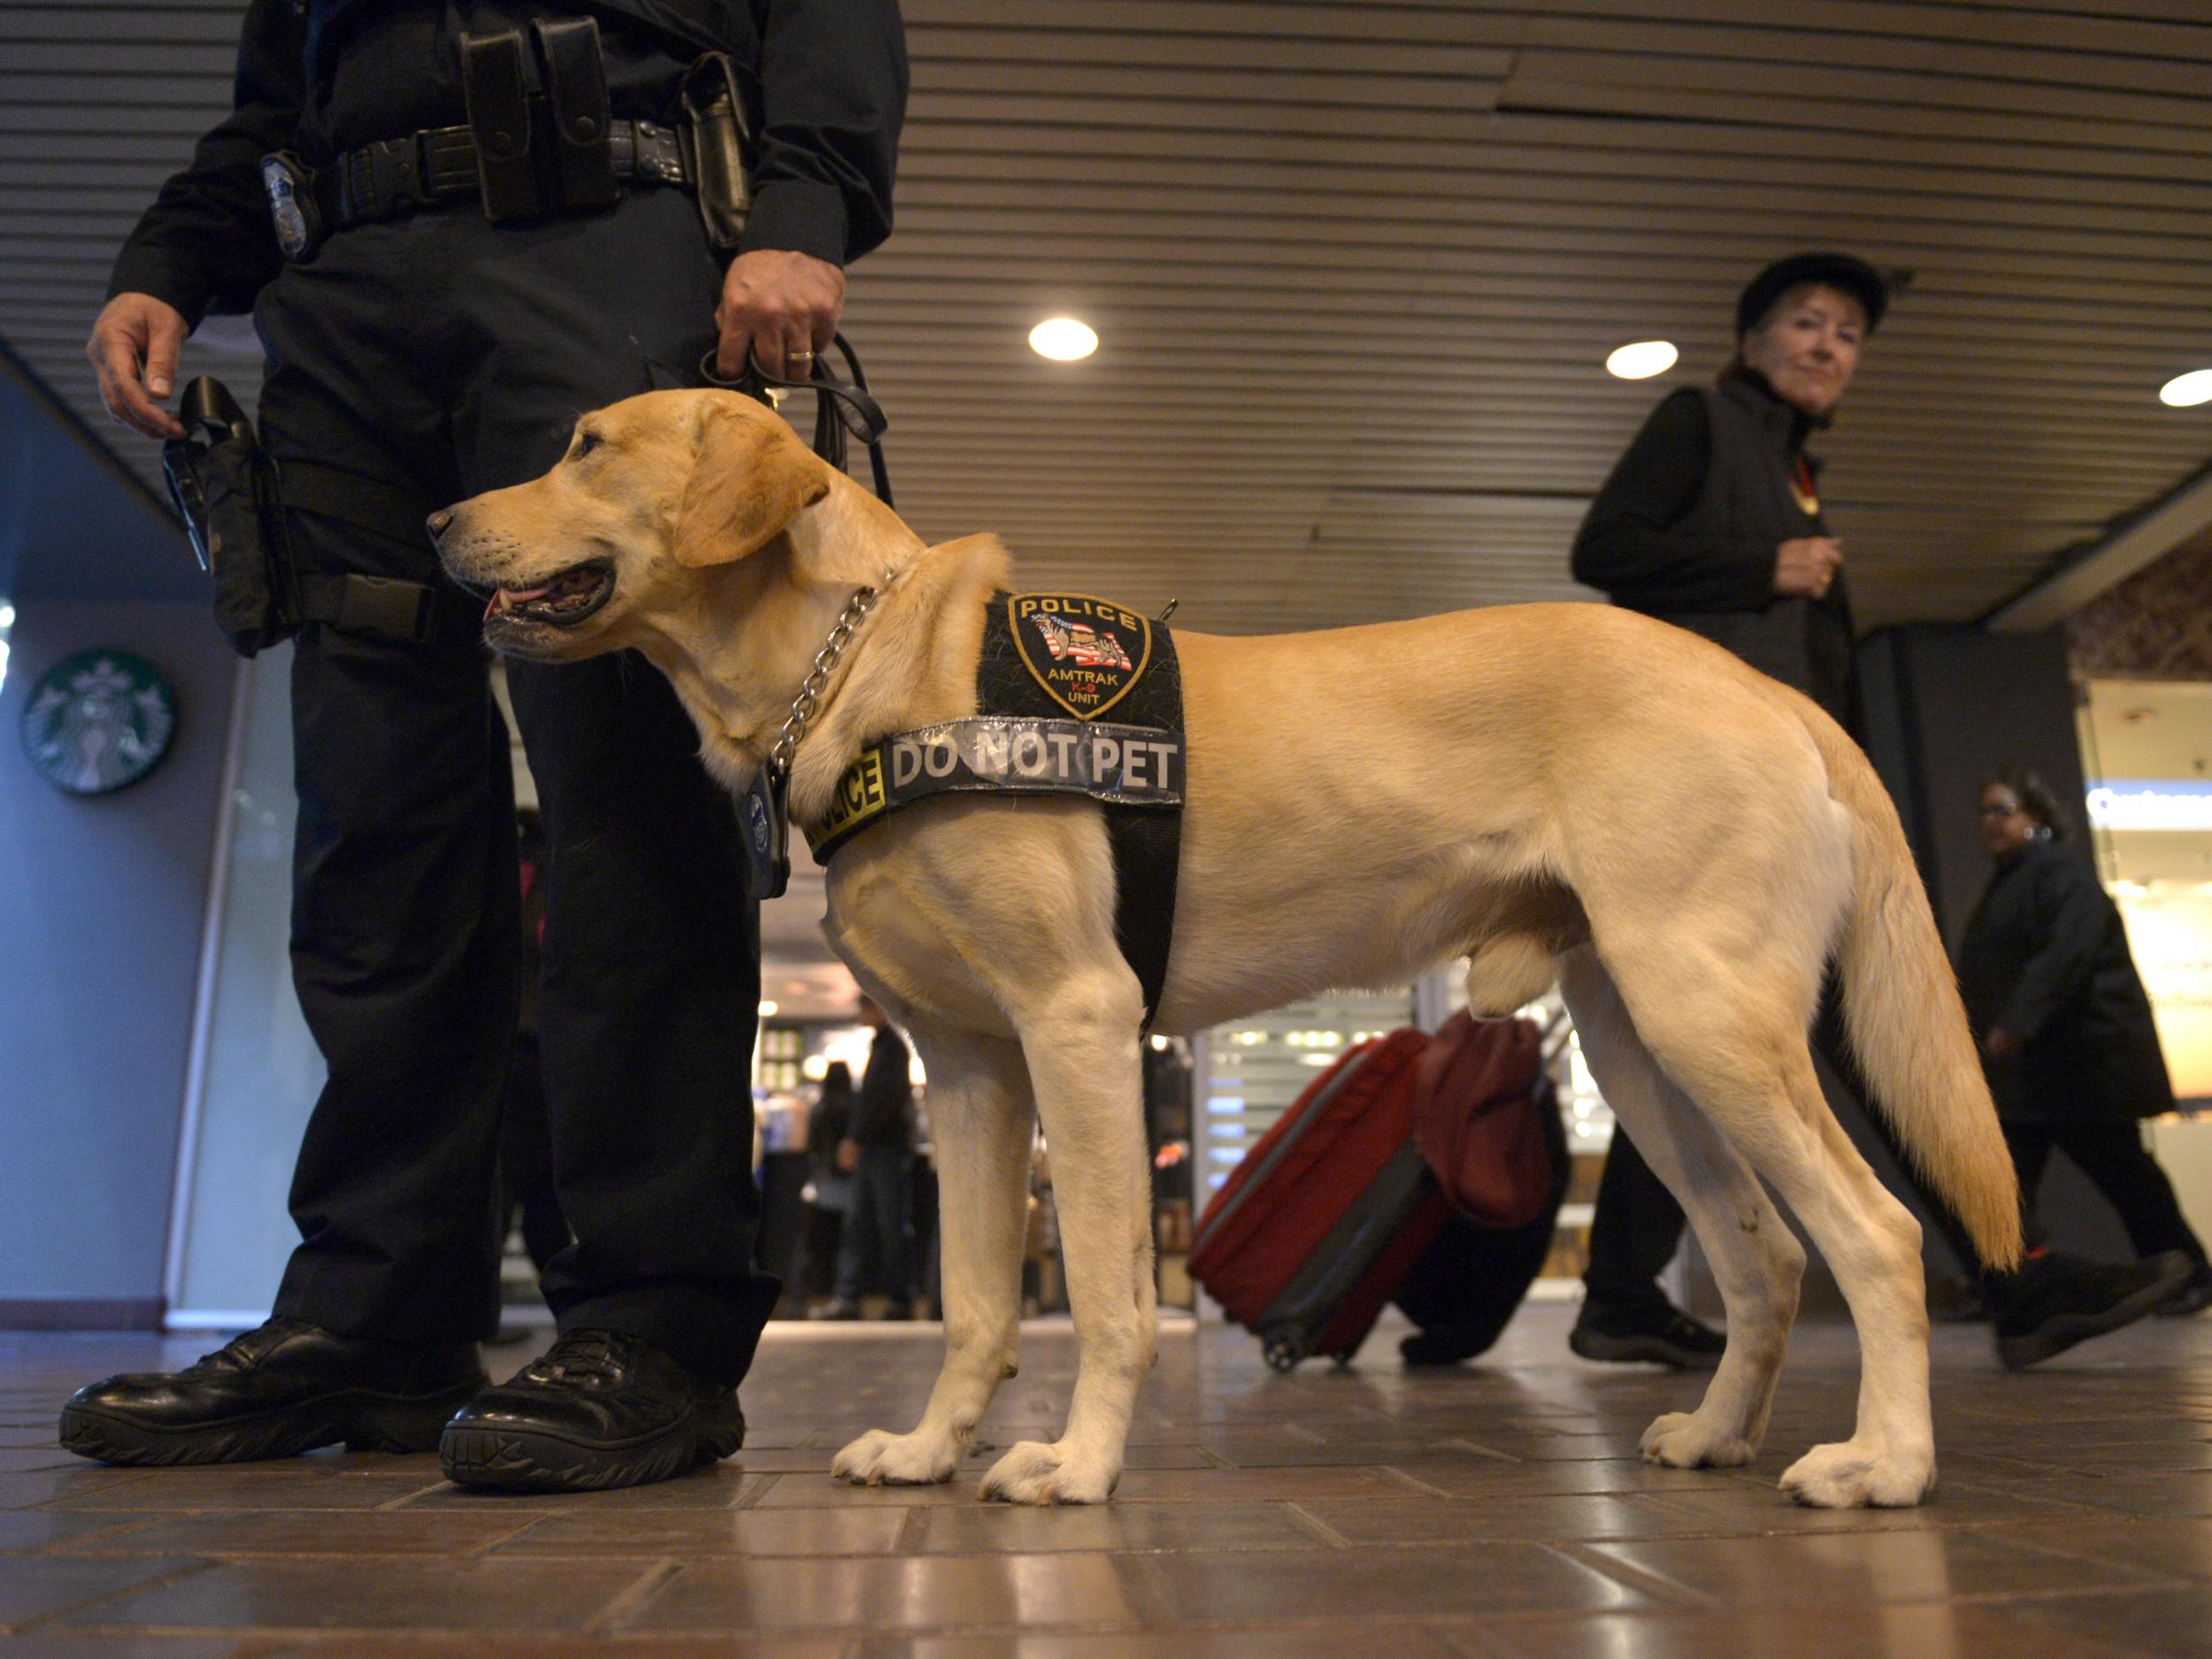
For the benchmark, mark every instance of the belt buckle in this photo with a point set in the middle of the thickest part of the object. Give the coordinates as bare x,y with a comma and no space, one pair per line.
291,191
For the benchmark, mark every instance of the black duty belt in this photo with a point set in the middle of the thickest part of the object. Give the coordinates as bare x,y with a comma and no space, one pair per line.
439,164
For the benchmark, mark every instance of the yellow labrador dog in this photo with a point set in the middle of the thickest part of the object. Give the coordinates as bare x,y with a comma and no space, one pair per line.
1563,793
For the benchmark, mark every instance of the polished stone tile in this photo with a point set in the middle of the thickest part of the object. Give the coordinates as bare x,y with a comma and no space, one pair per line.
35,1529
397,1594
1426,1581
1281,1642
1556,1519
2172,1623
302,1532
1490,1478
722,1487
673,1533
37,1587
1855,1568
937,1593
492,1645
1495,1509
255,1487
983,1528
2173,1548
1926,1631
75,1645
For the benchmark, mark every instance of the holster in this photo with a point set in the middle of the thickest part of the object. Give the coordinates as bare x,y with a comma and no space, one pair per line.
234,504
224,485
718,144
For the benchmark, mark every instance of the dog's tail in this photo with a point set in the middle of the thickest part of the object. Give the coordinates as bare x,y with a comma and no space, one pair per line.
1906,1024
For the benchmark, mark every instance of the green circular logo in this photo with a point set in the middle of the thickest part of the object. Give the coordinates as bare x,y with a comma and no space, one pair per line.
98,721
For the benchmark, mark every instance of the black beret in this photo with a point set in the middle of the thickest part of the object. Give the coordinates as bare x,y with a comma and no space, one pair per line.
1839,271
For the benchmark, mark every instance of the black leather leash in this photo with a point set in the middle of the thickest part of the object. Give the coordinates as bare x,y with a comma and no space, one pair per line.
839,409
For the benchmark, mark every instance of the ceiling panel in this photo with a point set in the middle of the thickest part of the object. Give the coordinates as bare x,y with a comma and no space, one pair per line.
1355,267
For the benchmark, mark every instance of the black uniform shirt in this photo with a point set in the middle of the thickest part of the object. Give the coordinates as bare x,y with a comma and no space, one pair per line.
825,83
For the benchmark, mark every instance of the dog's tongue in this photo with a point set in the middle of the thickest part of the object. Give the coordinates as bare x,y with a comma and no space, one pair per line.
503,597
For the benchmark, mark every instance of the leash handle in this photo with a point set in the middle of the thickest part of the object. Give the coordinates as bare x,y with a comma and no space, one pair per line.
838,408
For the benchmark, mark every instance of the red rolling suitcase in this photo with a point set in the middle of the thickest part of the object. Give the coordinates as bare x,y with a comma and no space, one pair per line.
1355,1188
1312,1232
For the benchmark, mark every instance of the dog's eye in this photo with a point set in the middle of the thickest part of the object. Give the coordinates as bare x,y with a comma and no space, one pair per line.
586,442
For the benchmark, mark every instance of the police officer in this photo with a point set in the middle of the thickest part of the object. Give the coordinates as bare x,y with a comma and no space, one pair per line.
489,224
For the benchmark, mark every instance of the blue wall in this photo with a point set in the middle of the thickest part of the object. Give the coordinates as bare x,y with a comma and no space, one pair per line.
102,898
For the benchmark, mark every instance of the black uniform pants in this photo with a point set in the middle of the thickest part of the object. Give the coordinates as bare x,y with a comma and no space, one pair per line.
2113,1157
1636,1223
439,356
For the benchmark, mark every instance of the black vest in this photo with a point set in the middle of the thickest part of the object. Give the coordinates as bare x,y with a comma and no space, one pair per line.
1747,501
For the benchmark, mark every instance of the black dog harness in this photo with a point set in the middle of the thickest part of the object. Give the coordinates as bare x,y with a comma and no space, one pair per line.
1074,695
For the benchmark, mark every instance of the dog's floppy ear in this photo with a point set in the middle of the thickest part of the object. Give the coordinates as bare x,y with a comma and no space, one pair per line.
749,478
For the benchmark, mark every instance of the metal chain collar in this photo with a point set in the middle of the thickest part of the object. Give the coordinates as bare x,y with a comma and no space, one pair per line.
810,689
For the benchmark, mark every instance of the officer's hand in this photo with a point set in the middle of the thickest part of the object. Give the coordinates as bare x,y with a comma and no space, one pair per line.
780,306
133,346
1806,566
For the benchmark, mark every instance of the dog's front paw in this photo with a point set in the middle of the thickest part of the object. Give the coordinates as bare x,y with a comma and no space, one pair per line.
1856,1474
1033,1472
1684,1439
881,1459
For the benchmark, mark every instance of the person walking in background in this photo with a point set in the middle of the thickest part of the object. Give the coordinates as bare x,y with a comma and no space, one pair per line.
877,1252
829,1187
1711,520
2064,1026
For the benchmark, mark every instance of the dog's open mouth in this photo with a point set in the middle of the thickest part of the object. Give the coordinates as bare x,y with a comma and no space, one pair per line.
567,599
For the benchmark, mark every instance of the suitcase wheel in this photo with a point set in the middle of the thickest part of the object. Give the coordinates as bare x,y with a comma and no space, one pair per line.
1283,1350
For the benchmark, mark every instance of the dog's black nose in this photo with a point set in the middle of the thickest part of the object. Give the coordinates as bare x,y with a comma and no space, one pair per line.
438,521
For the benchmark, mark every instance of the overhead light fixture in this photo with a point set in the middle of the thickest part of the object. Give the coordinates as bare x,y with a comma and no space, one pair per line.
768,1010
1063,339
1641,359
2186,391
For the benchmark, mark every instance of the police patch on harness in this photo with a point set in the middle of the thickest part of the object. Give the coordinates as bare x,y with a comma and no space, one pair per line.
1087,653
1127,765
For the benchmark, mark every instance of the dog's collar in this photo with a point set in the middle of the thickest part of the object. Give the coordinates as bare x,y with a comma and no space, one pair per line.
767,826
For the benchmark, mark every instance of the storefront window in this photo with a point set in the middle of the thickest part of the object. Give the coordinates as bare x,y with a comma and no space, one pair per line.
2146,749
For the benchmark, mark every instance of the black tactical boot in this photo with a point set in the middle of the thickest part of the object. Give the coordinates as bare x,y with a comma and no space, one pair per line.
1658,1335
601,1408
2057,1300
285,1388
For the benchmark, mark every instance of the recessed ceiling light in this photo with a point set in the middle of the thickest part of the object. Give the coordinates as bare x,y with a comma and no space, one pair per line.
2186,391
1642,359
1063,339
768,1010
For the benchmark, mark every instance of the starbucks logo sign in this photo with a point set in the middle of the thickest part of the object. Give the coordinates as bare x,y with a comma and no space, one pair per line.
98,721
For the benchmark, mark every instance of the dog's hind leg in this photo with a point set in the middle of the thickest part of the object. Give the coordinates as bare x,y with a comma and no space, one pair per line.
1082,1042
982,1121
1735,1041
1756,1259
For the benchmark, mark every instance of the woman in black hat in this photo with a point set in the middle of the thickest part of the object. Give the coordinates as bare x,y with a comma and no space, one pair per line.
1712,521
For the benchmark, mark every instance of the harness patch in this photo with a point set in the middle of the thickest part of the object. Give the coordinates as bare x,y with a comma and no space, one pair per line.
1087,653
1041,654
1129,765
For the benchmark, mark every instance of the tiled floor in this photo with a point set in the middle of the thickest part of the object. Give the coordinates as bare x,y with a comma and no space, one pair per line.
1499,1510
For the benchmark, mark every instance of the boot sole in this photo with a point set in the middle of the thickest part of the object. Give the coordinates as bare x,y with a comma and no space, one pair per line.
523,1459
2056,1336
360,1422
